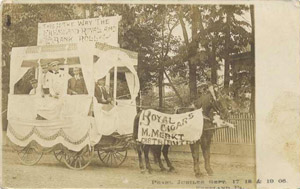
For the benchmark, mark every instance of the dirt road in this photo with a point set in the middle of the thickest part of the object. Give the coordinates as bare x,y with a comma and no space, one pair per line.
50,173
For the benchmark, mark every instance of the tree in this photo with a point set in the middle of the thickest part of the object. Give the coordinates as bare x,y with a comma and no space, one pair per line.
168,23
235,36
221,33
252,105
191,47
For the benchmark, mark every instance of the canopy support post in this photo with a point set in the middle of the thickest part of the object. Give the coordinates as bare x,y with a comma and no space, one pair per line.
115,83
39,75
107,80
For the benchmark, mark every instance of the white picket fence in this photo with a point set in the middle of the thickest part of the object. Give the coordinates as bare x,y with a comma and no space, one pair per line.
244,133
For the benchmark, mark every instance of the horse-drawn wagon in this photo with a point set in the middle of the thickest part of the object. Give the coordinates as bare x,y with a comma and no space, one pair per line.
71,126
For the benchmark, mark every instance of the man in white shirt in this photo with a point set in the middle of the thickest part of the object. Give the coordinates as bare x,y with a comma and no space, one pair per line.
45,79
56,85
50,107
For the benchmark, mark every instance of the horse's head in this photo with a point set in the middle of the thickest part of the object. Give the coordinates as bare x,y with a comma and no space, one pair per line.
223,102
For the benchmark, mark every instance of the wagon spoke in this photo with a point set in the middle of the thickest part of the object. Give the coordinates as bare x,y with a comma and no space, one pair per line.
83,158
76,163
120,154
61,153
111,159
118,157
22,153
79,163
108,158
115,157
73,161
76,158
105,156
68,158
26,152
114,162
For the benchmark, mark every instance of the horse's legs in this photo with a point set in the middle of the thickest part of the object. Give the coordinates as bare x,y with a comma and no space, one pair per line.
146,153
152,150
195,153
157,154
140,155
139,146
205,146
165,154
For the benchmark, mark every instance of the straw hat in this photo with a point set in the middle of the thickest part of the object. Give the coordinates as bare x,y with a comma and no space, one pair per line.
54,63
44,65
33,81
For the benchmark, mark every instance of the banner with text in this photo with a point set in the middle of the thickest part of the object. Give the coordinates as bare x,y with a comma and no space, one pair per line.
103,29
157,128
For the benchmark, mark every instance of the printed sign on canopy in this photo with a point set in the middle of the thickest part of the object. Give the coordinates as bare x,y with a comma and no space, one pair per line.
157,128
103,29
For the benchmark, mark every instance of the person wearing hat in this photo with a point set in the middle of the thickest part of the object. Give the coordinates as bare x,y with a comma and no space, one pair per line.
45,81
207,88
33,83
76,84
56,84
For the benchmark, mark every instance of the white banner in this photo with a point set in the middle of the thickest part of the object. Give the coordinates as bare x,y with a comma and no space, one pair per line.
103,29
157,128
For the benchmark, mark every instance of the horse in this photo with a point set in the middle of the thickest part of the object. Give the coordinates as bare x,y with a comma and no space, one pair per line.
145,149
209,105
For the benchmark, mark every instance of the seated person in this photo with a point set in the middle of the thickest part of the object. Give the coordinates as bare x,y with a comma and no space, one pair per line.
101,93
56,84
33,82
76,84
45,79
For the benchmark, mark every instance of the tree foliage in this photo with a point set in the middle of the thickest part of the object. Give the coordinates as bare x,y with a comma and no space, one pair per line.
222,33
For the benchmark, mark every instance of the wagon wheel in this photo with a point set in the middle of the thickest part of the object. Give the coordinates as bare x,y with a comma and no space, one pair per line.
59,155
29,155
112,157
78,160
